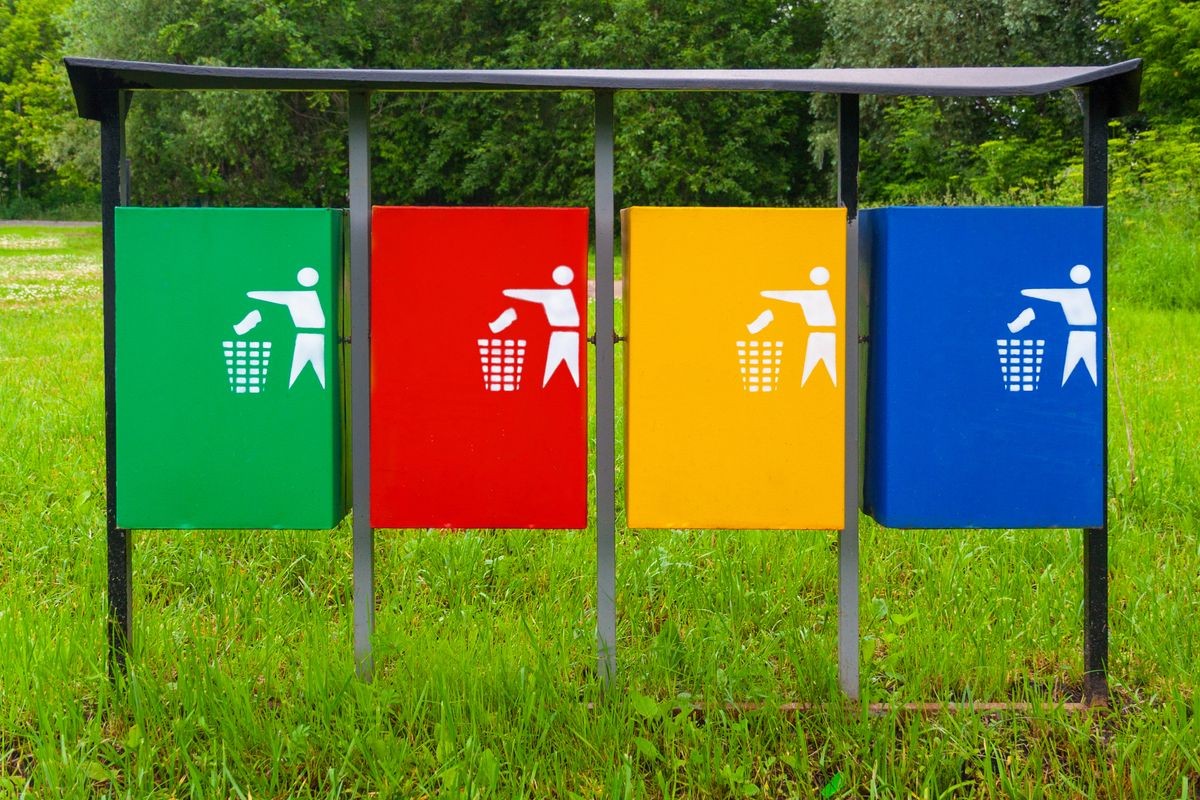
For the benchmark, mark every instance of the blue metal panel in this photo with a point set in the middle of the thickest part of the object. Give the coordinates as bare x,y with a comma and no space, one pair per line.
986,335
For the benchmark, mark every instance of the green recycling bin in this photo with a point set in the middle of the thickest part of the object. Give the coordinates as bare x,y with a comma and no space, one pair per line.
229,400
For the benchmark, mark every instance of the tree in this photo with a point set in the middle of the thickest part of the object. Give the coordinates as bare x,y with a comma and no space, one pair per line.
1166,33
922,148
520,148
223,147
34,100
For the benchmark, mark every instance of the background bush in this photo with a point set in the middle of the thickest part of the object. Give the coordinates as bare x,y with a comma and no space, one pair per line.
535,148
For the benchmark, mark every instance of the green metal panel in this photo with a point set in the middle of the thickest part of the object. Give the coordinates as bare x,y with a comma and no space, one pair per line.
229,371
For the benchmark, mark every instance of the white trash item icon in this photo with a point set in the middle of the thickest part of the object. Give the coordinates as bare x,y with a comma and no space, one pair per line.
1021,363
246,365
503,362
760,363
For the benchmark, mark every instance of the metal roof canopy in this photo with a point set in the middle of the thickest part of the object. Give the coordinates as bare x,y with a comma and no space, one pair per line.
91,77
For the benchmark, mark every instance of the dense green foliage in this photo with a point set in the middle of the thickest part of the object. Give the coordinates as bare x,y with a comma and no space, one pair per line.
462,148
35,107
923,148
289,149
1166,33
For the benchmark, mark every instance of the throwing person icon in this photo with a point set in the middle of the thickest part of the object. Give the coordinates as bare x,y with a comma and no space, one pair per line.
563,316
819,314
305,308
1080,313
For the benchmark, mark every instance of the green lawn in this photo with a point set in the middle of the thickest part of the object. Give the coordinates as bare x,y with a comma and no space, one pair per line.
242,683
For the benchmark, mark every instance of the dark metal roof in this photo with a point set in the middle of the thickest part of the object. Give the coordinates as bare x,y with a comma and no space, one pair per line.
90,77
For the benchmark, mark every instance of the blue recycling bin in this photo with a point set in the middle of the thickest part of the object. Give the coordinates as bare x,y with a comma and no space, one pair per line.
985,406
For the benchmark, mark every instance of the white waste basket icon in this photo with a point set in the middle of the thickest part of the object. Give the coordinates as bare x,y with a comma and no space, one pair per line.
246,365
1021,363
503,362
760,363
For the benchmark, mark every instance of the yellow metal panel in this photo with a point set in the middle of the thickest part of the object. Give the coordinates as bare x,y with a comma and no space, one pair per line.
726,310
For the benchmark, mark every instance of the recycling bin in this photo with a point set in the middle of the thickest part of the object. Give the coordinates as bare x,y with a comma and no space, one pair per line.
229,386
479,367
985,400
735,367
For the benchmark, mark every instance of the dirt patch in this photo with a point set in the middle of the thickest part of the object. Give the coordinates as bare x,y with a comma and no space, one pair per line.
30,243
48,223
618,289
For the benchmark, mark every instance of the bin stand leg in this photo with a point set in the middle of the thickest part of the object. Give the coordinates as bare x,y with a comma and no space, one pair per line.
606,571
114,191
1095,616
1095,540
848,588
360,378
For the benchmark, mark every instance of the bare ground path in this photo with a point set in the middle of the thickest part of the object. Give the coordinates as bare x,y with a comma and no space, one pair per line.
53,223
618,285
618,289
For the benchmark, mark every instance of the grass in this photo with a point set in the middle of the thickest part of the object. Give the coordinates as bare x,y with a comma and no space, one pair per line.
1158,247
242,683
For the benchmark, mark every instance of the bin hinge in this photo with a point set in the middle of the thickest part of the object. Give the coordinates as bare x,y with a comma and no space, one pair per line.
617,338
344,339
864,339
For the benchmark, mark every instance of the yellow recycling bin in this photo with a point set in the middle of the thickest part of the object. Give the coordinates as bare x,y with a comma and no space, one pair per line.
735,398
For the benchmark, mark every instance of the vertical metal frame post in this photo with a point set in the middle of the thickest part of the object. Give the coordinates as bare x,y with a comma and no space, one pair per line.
114,191
606,557
360,380
1095,540
848,589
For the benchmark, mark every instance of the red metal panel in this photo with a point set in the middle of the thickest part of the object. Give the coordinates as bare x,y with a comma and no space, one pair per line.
469,429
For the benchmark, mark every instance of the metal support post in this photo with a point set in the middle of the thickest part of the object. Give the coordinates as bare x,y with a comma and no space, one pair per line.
606,557
848,590
114,192
360,380
1095,540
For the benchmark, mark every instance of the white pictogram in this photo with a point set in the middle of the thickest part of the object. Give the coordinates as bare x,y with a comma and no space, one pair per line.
760,363
563,316
822,340
304,306
1080,312
1021,363
503,362
246,364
